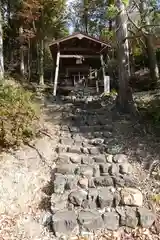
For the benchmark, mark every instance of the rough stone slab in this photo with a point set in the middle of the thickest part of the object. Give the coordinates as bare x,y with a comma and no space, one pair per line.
103,181
100,158
61,149
93,193
114,169
96,141
107,127
74,129
75,150
119,181
91,183
66,168
111,220
87,160
59,183
91,201
128,216
105,168
78,143
85,170
85,150
125,168
63,158
71,182
125,181
147,217
77,137
94,151
109,158
120,158
132,197
64,128
83,182
89,204
117,198
77,197
96,170
98,134
90,220
105,197
107,134
130,181
65,134
67,141
64,222
74,157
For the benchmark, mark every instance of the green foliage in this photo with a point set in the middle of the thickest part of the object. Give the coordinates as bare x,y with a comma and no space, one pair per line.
151,110
112,11
125,2
156,198
113,93
17,115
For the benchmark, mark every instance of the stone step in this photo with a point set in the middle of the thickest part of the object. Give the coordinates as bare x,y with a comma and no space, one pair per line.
67,222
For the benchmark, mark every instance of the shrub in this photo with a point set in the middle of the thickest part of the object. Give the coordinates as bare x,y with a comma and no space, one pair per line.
18,114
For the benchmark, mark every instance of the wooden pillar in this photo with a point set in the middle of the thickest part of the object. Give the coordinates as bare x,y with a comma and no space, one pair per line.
56,73
107,84
97,86
103,69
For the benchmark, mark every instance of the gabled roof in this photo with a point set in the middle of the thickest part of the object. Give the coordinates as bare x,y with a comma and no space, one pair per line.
80,36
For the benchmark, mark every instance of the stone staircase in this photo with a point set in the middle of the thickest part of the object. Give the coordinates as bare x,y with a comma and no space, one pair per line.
94,183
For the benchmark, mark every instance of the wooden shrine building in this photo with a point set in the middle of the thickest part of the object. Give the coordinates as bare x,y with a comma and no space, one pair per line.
79,58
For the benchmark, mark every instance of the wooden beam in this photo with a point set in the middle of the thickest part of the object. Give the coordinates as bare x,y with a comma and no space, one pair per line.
56,73
77,49
78,56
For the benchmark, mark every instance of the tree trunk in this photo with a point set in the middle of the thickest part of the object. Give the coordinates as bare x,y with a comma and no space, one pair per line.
41,62
29,59
22,70
1,46
153,66
152,60
85,3
125,99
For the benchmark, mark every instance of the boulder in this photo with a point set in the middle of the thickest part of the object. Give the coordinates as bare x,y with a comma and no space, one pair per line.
132,197
105,197
109,158
90,220
111,220
83,182
128,216
94,151
120,158
85,170
100,158
64,222
71,182
146,216
76,197
66,168
105,168
125,168
87,160
103,181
